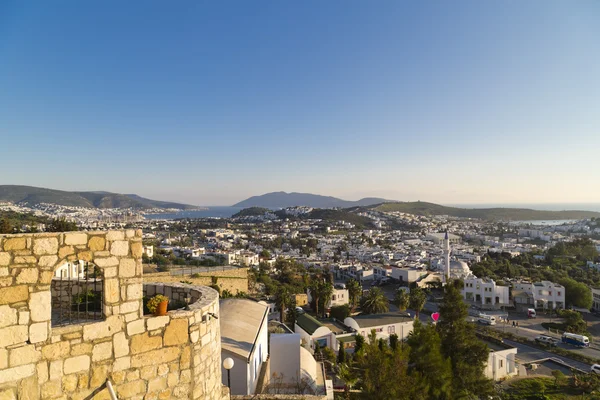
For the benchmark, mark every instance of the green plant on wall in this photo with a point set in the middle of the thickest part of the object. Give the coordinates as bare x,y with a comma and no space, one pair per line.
155,301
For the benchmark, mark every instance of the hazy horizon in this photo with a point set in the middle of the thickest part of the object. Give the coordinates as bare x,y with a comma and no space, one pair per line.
210,103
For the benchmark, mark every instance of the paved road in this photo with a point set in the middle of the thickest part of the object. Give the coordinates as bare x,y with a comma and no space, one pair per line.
527,353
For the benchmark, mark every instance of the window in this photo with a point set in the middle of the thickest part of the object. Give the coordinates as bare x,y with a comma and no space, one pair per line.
77,293
501,363
391,329
559,293
550,293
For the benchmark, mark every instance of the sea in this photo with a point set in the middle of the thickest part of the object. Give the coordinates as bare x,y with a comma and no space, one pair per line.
207,212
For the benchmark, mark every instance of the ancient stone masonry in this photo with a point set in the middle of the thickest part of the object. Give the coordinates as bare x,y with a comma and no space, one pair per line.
145,357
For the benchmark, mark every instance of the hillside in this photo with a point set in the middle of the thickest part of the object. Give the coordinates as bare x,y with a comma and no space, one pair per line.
510,214
277,200
250,212
33,195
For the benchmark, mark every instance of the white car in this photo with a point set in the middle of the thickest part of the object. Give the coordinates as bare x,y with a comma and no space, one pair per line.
596,368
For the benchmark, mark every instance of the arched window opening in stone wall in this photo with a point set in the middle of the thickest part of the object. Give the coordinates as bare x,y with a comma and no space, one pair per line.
77,293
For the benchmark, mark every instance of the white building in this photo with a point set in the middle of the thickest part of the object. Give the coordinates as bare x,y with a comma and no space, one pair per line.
383,324
595,298
501,361
244,338
339,297
485,292
71,270
407,274
149,251
544,294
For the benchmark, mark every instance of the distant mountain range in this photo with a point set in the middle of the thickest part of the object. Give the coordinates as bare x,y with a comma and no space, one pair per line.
277,200
34,195
512,214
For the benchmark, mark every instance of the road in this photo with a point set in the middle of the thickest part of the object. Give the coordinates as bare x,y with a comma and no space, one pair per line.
527,353
188,270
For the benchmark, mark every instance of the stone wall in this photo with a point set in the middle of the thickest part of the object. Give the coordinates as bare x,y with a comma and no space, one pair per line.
234,280
173,356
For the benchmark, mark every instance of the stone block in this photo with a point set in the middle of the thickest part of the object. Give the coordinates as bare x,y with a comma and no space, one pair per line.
84,381
38,332
134,291
69,383
110,272
97,243
127,267
85,255
148,372
25,260
115,235
165,355
104,262
8,316
76,364
176,332
143,343
137,249
135,327
130,389
129,307
40,306
28,275
48,261
99,375
51,389
23,317
80,349
29,389
119,248
157,322
172,379
4,271
65,251
43,246
3,358
103,329
46,277
75,238
4,259
17,373
56,351
24,355
162,369
14,294
15,244
42,371
102,351
111,291
121,364
133,375
120,344
184,361
56,370
13,335
185,376
157,384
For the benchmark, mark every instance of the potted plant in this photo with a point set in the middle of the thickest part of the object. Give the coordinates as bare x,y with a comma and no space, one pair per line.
158,304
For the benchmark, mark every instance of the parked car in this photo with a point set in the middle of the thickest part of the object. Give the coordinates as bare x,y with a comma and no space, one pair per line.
596,368
547,340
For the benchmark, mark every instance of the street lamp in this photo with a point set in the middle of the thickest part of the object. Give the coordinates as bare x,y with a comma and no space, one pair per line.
228,364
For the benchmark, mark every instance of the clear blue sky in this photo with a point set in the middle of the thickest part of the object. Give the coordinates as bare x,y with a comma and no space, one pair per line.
210,102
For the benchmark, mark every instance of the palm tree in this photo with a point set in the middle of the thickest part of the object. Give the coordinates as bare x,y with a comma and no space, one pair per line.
354,291
315,291
374,302
401,300
417,299
345,374
326,291
281,301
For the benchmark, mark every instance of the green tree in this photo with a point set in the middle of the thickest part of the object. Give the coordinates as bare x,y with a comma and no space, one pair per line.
359,344
341,357
417,299
468,356
430,368
559,377
265,254
282,299
326,291
401,300
5,226
374,302
61,225
576,293
393,341
354,291
344,373
340,312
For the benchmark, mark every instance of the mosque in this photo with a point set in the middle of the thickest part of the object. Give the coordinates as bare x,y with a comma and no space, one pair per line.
453,269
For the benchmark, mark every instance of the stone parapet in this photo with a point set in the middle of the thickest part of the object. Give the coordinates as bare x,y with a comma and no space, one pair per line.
173,356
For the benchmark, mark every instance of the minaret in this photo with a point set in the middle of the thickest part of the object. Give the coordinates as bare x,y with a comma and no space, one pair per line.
447,258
